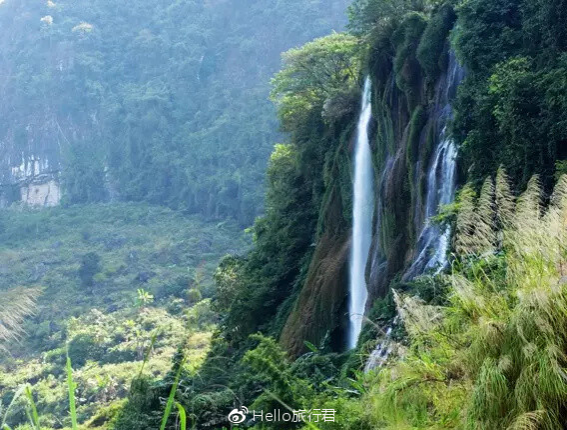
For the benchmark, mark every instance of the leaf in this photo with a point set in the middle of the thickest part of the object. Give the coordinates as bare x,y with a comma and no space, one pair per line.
182,416
71,387
171,397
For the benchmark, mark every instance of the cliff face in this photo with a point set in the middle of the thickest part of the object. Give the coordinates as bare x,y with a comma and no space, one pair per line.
33,146
416,172
411,111
30,173
43,108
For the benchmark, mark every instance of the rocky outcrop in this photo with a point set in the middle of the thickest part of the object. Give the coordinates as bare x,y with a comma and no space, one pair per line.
32,179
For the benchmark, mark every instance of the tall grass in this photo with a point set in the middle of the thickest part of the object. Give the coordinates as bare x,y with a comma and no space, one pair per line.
496,356
182,416
33,415
15,305
31,411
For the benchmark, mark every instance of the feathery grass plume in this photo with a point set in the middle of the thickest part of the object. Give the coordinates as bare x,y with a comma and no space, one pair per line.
500,345
532,246
505,205
466,222
476,220
536,420
556,219
485,233
533,339
529,204
15,305
559,196
416,316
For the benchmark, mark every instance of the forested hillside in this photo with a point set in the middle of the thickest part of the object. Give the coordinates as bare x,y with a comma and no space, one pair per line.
134,140
164,102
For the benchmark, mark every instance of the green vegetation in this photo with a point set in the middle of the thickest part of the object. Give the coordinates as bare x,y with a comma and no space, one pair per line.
468,351
485,350
170,321
164,102
491,357
434,41
511,108
112,282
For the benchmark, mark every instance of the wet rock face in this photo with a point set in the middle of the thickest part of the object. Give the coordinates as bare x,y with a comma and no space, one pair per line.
417,175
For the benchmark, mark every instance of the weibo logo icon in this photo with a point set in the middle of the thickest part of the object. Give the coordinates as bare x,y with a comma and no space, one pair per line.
237,416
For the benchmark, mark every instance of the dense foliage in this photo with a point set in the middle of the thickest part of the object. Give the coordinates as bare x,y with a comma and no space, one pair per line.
509,112
512,106
103,283
157,101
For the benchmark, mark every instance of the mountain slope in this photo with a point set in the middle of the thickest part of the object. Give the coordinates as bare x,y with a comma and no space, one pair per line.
163,102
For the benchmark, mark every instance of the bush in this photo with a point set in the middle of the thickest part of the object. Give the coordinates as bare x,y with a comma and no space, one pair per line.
434,40
83,347
406,67
90,266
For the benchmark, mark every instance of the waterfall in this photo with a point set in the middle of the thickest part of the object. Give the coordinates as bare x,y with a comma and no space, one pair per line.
433,242
363,209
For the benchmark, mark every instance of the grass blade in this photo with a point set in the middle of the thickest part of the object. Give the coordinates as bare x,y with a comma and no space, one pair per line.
33,415
182,416
171,398
147,355
12,403
71,387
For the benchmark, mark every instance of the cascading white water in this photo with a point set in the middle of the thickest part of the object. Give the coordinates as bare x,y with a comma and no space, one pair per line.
363,209
433,242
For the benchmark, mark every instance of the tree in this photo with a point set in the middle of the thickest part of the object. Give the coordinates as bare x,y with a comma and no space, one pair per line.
90,266
364,15
313,74
144,298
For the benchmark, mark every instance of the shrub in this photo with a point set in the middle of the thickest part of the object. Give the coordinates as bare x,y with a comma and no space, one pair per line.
90,266
434,40
83,347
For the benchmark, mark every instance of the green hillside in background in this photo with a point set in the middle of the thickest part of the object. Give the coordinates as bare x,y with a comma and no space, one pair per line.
164,102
